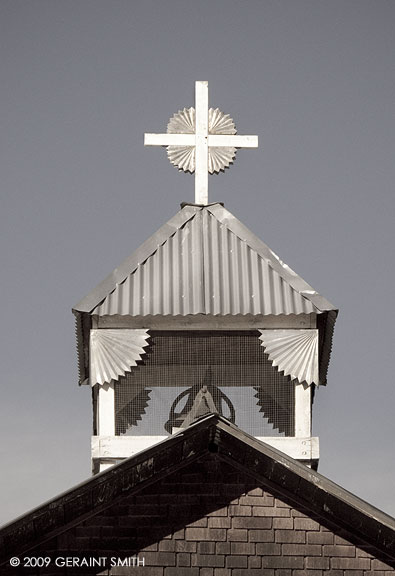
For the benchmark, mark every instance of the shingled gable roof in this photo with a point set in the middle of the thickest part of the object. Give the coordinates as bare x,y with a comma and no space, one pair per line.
301,487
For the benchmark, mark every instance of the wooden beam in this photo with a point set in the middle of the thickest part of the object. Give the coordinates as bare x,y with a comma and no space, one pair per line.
119,447
206,322
106,410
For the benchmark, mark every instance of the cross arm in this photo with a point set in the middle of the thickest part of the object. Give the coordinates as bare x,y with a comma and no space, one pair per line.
190,140
233,140
169,139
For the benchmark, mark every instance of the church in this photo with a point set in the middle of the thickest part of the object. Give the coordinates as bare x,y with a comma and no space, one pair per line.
203,351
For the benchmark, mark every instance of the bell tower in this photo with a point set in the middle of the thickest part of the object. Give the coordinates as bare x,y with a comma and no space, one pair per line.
202,318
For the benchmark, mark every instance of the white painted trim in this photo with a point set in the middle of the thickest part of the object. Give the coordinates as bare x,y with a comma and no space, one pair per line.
106,410
119,447
105,465
205,322
298,448
122,446
302,410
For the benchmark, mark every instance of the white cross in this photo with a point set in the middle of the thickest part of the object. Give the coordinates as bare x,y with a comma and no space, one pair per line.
201,139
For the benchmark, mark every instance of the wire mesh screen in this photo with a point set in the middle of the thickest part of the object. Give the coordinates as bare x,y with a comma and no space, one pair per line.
185,375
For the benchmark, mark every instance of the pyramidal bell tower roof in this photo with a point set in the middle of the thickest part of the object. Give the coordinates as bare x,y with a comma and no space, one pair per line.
204,263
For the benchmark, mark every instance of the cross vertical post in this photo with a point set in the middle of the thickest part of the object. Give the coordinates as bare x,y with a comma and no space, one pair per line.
201,146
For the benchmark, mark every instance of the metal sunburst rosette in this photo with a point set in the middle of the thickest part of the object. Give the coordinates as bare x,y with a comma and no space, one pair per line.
183,157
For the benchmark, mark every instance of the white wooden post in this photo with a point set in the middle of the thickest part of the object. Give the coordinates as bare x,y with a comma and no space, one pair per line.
302,411
106,410
106,417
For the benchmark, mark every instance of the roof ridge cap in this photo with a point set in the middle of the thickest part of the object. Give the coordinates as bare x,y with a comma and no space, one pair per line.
183,204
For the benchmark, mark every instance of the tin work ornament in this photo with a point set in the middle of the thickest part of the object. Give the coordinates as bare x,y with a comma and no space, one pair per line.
114,352
294,352
184,122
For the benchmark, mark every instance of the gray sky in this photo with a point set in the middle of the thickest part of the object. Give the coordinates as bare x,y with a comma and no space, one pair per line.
81,81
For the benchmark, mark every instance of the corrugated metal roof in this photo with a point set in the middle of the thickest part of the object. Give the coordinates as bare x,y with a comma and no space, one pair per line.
204,261
93,299
204,268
